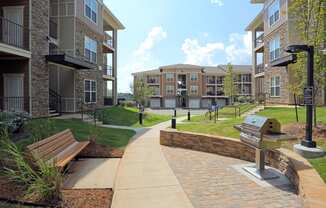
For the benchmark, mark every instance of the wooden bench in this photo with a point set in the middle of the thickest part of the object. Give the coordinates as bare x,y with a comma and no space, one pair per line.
60,148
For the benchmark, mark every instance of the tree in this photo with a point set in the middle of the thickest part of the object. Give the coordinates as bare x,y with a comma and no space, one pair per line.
229,88
309,19
141,90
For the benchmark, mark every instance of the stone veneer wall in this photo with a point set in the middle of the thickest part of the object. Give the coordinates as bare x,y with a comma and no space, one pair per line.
39,48
306,180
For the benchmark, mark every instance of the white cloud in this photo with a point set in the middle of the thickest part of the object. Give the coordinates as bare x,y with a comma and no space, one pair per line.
142,58
154,36
218,2
238,49
200,54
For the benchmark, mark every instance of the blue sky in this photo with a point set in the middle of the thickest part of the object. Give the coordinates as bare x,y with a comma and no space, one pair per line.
162,32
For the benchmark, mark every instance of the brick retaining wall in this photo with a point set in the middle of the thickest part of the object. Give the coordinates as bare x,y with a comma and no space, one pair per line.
306,180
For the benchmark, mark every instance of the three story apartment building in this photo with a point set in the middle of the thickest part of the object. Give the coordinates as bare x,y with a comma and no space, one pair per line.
191,86
273,30
57,55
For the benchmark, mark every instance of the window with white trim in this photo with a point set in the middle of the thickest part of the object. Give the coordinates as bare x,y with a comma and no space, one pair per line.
169,89
193,76
275,86
194,89
90,51
91,10
90,91
274,48
169,76
274,12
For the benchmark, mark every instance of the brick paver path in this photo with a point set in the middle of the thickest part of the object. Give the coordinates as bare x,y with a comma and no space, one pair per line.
210,181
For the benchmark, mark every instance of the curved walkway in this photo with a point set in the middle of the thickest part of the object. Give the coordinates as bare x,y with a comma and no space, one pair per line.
144,178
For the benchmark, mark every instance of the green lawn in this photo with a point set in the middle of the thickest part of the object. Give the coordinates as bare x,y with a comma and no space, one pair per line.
202,124
287,115
226,112
117,138
123,116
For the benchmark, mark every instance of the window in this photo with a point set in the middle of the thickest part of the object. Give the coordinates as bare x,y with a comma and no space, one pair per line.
90,91
274,48
220,80
275,86
246,78
274,12
194,89
169,89
156,90
90,49
194,76
169,76
91,10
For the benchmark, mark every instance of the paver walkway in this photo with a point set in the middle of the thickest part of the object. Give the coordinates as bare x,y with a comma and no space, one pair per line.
211,181
144,178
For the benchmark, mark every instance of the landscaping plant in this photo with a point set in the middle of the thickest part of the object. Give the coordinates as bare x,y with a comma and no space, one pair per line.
13,121
41,181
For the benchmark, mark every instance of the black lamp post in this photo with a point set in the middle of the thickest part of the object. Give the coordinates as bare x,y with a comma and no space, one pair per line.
308,92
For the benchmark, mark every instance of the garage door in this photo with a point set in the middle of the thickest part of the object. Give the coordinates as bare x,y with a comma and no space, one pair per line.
194,103
155,103
169,103
221,102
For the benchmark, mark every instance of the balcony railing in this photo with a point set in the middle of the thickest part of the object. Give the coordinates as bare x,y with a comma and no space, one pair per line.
14,104
14,34
53,29
108,71
259,40
259,68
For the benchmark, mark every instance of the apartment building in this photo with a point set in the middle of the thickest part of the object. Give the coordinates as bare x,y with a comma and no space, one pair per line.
57,55
273,29
191,86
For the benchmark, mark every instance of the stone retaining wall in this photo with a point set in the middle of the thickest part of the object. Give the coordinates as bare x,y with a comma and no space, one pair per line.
306,180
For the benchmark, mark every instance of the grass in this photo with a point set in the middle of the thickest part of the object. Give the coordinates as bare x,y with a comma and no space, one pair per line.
116,138
124,116
226,112
287,115
320,163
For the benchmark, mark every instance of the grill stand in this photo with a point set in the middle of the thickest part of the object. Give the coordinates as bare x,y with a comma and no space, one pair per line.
259,170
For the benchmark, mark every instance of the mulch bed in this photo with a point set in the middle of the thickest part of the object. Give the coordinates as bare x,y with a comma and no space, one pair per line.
87,198
299,130
94,150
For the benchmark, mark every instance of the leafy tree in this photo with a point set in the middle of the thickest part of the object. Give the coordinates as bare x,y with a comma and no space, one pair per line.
141,90
309,19
229,87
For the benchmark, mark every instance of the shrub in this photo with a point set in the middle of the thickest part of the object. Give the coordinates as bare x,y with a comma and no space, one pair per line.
42,182
13,121
129,104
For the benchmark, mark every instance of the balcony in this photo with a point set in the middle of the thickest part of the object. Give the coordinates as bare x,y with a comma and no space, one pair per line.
14,34
259,68
153,81
259,42
108,72
108,44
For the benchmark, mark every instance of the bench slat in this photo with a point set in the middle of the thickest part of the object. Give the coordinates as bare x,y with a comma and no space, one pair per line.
47,140
65,157
60,148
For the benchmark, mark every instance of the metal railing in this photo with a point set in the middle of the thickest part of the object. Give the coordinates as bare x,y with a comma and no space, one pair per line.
55,101
14,34
14,104
108,71
53,29
259,40
259,68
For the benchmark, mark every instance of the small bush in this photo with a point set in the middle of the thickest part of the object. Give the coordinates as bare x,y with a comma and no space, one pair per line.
13,121
129,104
42,182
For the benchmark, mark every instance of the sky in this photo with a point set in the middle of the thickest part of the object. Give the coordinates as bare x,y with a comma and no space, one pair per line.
163,32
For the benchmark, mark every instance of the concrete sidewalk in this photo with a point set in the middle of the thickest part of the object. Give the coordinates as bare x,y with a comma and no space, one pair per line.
144,178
